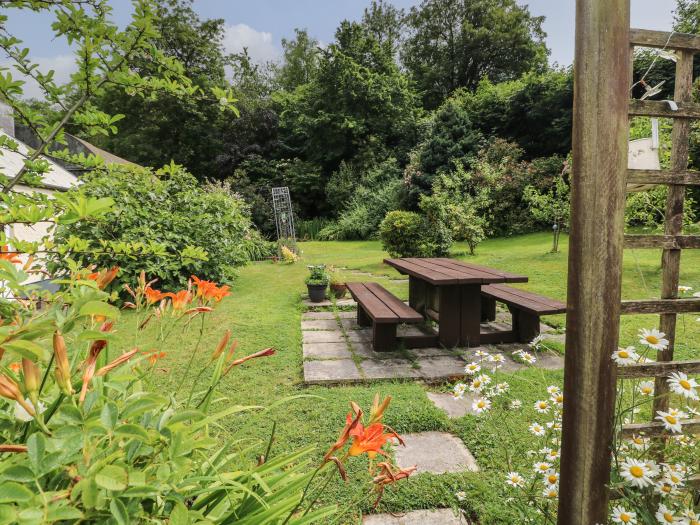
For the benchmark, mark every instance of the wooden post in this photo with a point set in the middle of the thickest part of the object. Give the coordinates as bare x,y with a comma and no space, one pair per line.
601,100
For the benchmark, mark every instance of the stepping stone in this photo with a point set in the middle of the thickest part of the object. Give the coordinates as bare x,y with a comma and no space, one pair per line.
389,369
310,316
454,407
324,336
398,281
326,351
417,517
346,302
431,352
347,315
350,324
435,452
320,324
360,336
365,351
556,338
442,367
323,304
332,371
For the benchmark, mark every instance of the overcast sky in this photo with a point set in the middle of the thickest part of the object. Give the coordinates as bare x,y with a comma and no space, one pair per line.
260,25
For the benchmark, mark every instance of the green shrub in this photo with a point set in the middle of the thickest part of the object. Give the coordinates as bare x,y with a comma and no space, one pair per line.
192,230
409,234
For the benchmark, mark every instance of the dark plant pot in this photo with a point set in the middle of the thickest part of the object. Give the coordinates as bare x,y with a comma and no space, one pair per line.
317,292
339,290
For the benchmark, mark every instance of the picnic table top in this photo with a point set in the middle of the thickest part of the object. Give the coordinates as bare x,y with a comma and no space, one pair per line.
442,271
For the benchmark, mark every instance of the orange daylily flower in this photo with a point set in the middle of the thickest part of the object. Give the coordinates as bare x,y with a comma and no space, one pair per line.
104,277
370,439
153,295
15,367
350,425
179,299
155,356
6,255
207,290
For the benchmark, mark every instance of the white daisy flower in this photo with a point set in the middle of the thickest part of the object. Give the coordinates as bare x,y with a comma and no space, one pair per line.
671,419
501,388
625,356
692,517
481,354
542,407
537,429
684,289
481,405
459,390
515,480
461,495
472,368
681,384
653,339
554,425
551,478
665,515
542,467
516,404
536,342
557,399
624,516
553,454
526,357
639,442
636,473
646,388
551,492
479,382
665,489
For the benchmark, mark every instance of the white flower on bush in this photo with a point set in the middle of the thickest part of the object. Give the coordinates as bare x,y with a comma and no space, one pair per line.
639,442
536,343
461,495
472,368
671,419
646,388
525,357
515,480
665,489
685,289
481,405
681,384
496,358
666,515
653,339
23,415
500,388
551,492
637,473
458,390
624,516
542,467
625,356
542,407
551,478
479,383
537,429
516,404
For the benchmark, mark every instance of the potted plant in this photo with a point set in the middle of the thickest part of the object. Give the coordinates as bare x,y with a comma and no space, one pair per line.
338,286
317,282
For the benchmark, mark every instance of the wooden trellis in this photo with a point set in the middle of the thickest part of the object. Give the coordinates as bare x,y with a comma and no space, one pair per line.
604,50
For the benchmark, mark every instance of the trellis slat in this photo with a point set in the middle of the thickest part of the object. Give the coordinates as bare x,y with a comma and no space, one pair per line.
664,39
682,177
689,426
660,108
657,369
666,242
661,306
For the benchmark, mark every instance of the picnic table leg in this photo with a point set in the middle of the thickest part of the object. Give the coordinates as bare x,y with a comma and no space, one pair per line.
488,309
417,294
362,318
526,326
470,314
384,337
450,316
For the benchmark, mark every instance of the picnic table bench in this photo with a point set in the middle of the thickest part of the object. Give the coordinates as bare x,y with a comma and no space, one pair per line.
525,308
378,308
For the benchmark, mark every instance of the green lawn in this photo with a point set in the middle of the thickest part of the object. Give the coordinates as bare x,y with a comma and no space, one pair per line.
265,308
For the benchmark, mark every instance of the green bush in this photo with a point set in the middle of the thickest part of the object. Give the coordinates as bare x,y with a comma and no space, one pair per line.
188,229
409,234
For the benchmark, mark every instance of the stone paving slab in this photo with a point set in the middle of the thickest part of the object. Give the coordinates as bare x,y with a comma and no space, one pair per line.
326,351
454,407
310,316
320,324
331,371
360,336
389,369
347,315
323,336
417,517
431,352
443,367
328,302
365,351
350,324
435,452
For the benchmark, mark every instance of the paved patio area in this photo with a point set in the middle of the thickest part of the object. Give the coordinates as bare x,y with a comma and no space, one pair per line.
337,350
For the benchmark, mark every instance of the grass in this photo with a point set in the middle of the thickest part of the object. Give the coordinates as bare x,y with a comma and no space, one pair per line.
265,309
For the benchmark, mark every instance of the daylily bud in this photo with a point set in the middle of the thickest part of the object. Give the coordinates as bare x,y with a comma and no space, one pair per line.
263,353
221,346
62,371
377,411
117,362
31,378
10,390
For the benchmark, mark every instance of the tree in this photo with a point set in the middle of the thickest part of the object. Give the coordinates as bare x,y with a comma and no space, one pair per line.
456,43
552,206
299,62
385,23
686,17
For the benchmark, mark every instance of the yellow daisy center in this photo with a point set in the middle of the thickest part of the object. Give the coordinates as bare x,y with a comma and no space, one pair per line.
666,488
647,390
685,384
668,517
637,471
652,339
624,354
671,420
625,518
552,478
481,404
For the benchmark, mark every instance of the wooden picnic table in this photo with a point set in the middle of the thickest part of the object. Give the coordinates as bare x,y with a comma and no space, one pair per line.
449,292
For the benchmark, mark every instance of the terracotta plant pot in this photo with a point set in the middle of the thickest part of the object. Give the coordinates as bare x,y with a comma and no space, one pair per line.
339,290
